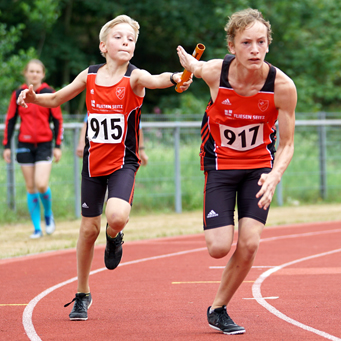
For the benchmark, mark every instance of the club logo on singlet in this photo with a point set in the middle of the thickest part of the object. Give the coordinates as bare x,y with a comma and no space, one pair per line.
120,92
263,104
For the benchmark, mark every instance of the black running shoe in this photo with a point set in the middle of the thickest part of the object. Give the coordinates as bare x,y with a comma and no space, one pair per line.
220,320
113,251
79,311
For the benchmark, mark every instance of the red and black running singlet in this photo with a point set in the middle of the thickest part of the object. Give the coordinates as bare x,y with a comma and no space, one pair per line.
238,132
113,125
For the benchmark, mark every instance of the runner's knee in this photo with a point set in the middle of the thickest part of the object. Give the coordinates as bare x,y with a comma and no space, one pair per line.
42,187
117,220
248,248
89,231
218,250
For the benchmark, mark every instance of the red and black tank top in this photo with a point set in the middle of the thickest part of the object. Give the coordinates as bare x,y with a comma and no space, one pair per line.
238,132
113,125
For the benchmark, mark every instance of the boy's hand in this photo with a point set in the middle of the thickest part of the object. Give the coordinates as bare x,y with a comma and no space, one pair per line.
26,96
185,85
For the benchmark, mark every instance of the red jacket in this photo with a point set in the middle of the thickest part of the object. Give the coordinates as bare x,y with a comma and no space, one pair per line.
35,120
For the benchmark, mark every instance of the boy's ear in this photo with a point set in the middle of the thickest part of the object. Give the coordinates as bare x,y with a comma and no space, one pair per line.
231,47
102,47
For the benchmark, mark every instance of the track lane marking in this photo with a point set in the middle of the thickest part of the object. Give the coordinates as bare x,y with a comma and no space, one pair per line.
256,291
253,267
12,304
28,312
205,282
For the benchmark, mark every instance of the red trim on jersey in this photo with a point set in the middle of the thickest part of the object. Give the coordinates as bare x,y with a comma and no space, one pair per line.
132,191
204,204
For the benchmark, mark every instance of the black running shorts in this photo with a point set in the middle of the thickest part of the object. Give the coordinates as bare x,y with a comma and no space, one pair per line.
120,185
30,153
223,188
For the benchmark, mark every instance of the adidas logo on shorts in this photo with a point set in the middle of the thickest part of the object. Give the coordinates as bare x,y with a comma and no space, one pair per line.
85,205
212,214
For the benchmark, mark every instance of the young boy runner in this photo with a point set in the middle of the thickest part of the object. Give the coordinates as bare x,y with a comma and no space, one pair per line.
248,96
114,96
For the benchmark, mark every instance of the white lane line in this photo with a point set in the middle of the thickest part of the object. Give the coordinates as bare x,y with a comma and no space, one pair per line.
264,298
27,315
253,267
28,312
306,234
256,291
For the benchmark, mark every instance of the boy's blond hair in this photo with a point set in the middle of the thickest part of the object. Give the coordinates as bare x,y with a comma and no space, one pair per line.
121,19
240,20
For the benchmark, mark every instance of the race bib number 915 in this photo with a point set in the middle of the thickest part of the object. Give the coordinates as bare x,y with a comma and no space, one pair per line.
105,128
241,138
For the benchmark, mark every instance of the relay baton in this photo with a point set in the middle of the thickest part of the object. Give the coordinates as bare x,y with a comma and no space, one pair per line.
197,53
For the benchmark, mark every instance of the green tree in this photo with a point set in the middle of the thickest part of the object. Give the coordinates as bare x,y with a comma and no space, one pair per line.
14,52
12,62
306,46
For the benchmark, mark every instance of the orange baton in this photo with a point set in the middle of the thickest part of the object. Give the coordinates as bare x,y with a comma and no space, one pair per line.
197,53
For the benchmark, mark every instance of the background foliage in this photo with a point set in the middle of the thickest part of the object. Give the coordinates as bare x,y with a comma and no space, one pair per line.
64,35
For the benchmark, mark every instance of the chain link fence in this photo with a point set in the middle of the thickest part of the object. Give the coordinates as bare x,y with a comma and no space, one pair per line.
172,180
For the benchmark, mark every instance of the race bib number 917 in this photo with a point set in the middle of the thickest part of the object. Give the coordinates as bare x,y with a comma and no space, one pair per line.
241,138
105,128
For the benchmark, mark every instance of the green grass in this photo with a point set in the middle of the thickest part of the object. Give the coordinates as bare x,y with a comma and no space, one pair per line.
155,189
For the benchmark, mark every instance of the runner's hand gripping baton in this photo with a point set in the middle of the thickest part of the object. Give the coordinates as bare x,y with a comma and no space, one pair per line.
197,53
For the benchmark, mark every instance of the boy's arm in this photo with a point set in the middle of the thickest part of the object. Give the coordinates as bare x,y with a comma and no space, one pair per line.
81,141
143,155
55,99
141,79
285,100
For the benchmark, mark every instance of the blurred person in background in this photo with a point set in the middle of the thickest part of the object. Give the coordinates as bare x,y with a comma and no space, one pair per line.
35,150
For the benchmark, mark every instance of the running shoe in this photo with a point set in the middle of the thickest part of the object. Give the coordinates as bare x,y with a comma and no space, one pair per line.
113,251
220,320
36,235
80,308
50,225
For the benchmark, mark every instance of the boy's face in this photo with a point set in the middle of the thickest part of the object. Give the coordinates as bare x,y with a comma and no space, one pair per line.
251,45
120,43
34,74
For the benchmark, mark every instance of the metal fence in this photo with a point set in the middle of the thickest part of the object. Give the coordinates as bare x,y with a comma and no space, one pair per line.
173,178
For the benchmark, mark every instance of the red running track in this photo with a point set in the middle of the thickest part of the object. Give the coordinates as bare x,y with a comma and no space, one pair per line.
162,289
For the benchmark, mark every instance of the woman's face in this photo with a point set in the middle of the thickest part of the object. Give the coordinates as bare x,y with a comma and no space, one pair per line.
34,74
